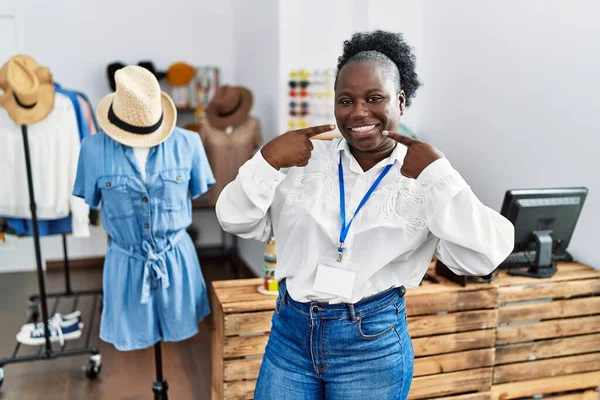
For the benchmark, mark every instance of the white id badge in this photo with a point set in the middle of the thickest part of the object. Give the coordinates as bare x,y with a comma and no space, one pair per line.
334,278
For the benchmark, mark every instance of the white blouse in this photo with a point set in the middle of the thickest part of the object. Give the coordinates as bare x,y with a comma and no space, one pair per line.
392,239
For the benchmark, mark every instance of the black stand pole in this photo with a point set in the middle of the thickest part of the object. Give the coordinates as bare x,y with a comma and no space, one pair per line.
66,266
36,241
160,386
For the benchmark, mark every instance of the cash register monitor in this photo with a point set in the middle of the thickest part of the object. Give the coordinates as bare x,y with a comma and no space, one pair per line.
544,221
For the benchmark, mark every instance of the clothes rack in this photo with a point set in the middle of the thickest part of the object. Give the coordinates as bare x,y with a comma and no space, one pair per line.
46,351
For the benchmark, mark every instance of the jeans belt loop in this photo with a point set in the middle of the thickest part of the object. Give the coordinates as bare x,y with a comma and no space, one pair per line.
352,312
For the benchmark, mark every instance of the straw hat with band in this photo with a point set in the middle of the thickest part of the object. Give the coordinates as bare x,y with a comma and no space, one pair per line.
229,106
138,114
28,90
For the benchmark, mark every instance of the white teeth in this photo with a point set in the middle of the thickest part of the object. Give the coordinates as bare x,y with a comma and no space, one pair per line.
363,128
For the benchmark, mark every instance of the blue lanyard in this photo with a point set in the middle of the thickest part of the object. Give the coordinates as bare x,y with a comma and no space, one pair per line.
346,228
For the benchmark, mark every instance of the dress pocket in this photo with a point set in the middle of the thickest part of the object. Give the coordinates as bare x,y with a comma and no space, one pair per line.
175,189
116,197
377,323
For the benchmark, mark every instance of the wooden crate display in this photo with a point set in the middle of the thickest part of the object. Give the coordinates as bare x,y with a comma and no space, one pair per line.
548,335
453,335
452,330
241,320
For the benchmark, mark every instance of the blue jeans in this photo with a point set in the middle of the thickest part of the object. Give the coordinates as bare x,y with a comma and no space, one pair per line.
338,351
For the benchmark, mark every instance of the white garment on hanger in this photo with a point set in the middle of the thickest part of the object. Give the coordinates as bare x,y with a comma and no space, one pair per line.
54,145
141,155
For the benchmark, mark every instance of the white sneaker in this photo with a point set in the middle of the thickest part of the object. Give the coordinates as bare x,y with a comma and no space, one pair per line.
66,319
58,333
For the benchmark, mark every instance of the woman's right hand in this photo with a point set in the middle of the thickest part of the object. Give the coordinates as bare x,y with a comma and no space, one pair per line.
293,148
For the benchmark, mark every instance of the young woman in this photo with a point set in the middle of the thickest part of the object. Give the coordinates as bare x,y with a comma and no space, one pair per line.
356,221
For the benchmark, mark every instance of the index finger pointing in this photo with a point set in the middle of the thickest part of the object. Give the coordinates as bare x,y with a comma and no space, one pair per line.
316,130
405,140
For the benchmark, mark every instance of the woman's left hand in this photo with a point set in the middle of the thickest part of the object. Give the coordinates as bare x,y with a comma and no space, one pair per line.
418,156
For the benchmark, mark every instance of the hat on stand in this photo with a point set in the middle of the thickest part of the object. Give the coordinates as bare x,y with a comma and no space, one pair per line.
229,106
180,74
110,73
138,114
28,90
149,65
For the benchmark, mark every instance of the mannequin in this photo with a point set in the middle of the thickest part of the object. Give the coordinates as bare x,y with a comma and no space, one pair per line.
230,135
153,286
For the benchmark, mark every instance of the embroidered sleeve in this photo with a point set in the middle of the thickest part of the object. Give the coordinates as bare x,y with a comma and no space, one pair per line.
242,207
474,239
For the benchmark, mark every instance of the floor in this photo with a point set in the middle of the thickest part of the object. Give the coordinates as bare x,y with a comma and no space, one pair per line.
125,375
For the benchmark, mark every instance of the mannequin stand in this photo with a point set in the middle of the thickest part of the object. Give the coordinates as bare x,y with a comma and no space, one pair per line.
160,385
46,352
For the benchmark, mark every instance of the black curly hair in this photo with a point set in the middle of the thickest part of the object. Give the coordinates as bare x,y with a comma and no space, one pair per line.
391,51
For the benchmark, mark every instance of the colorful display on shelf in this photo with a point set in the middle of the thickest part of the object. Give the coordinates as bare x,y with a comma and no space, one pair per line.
206,83
192,87
270,285
310,98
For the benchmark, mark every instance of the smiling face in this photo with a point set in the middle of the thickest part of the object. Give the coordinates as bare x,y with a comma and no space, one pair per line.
367,102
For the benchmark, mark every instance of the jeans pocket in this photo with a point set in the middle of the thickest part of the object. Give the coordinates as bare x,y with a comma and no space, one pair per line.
377,323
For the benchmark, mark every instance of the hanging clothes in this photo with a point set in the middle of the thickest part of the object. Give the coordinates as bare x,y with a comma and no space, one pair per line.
153,285
24,227
54,145
88,114
95,128
82,125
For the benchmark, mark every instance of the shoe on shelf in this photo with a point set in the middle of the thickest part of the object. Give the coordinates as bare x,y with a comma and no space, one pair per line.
58,331
66,319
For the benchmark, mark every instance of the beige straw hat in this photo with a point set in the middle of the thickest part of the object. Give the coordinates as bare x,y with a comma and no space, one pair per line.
138,113
28,90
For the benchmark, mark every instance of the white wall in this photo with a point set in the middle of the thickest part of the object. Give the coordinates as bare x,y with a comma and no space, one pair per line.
256,54
77,40
510,97
96,33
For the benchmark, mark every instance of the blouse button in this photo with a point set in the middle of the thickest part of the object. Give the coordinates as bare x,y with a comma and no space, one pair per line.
178,178
145,199
424,183
146,226
107,184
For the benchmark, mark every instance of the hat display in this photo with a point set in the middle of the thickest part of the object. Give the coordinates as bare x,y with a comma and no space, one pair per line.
229,106
149,65
180,73
110,72
28,90
138,114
